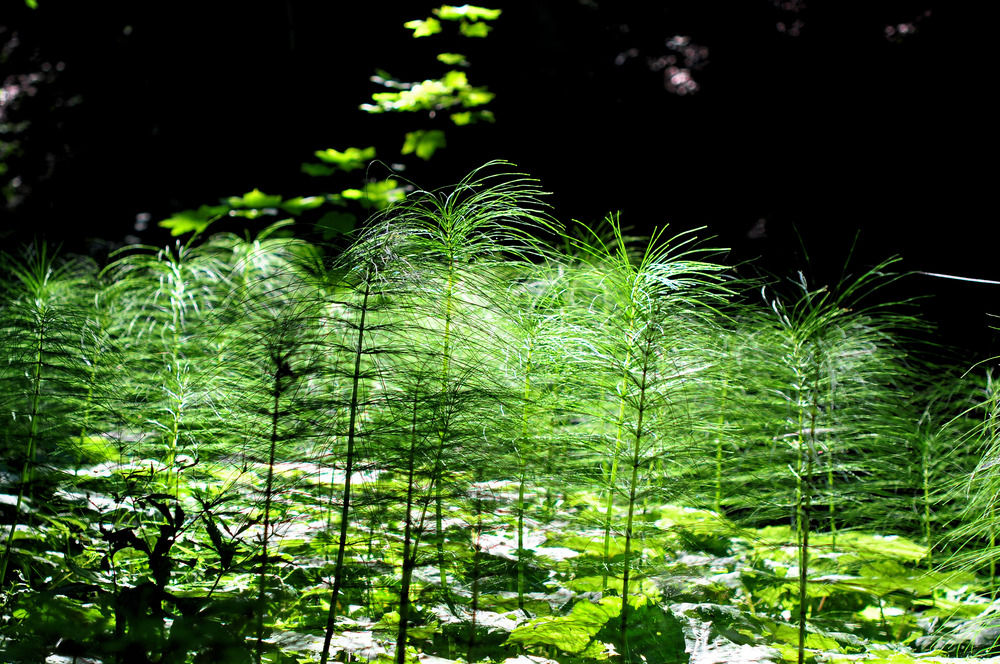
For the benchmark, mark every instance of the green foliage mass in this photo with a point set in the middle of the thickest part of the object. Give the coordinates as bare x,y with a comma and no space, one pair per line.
447,438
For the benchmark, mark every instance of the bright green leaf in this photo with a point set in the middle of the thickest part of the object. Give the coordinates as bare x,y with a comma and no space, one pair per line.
790,635
472,117
350,159
95,449
477,97
455,79
194,220
474,29
598,650
376,194
431,26
33,4
571,633
469,12
424,143
254,199
252,213
452,59
317,170
300,203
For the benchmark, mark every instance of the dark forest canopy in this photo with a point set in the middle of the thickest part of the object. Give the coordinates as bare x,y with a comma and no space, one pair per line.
825,120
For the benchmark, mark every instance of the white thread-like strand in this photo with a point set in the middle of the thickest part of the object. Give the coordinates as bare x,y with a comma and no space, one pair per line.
952,276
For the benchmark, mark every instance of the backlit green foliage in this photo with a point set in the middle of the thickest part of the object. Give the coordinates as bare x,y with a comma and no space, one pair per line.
448,439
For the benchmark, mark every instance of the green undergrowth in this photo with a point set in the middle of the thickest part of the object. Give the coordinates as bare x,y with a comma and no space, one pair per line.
445,440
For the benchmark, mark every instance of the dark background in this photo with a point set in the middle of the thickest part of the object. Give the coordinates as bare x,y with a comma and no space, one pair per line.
808,115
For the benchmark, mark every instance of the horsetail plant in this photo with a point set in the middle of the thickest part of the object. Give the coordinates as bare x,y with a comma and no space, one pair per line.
276,357
830,354
461,245
646,302
361,280
168,295
538,359
478,385
43,319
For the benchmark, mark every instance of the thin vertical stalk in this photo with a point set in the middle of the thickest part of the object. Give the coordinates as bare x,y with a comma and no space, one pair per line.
522,472
27,470
476,562
619,436
410,541
443,435
338,573
926,494
803,509
176,395
633,482
720,427
281,372
409,559
831,502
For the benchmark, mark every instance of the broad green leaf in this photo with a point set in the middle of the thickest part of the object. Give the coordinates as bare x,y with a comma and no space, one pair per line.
867,545
376,194
472,117
477,97
452,59
254,199
790,635
194,220
474,29
571,633
469,12
252,213
455,79
387,624
598,650
317,170
431,26
350,159
424,143
298,204
590,546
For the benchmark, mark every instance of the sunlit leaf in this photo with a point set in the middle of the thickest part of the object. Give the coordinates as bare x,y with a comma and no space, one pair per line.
378,194
298,204
95,449
350,159
474,29
253,213
452,58
431,26
424,143
195,221
790,635
455,79
571,633
477,97
254,199
317,170
470,12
